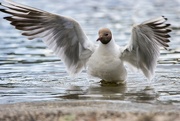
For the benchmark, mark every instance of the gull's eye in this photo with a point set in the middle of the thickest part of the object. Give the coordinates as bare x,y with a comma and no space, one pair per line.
106,34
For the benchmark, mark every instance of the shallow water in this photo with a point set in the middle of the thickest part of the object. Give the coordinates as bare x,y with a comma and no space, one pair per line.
30,72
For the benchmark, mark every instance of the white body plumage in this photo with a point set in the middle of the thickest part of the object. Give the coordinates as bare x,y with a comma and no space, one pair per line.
106,64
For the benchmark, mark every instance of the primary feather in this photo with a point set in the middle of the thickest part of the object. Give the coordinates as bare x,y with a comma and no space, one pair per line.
143,50
61,34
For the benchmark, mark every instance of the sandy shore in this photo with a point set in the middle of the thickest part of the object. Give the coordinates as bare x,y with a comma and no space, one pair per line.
88,111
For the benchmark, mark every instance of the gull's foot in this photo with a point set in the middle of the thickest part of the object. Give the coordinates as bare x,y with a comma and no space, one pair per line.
106,83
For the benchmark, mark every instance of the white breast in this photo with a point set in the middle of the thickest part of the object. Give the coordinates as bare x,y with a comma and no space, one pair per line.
106,64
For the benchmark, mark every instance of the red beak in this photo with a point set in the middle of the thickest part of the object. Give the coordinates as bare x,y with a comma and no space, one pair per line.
99,39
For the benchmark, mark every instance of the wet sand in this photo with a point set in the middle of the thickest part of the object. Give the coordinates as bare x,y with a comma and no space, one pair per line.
88,111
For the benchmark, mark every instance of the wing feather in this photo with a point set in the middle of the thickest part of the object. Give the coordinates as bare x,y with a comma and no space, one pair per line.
61,34
143,50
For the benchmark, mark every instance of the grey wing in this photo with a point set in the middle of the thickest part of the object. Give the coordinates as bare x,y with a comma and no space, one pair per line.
143,49
61,34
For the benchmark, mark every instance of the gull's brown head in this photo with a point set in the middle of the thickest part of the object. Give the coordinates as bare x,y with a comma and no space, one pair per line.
105,35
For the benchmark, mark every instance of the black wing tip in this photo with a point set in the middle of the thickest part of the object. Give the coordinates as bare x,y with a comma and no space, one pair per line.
22,33
169,30
1,9
9,18
5,18
169,36
165,18
168,41
4,10
168,25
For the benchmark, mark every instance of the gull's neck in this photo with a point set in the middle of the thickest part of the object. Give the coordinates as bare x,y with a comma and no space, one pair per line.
111,47
110,44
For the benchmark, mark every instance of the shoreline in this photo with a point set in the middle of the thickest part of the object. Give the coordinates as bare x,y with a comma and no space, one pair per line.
88,111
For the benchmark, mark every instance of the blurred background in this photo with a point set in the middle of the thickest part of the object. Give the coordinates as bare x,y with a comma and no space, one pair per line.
30,72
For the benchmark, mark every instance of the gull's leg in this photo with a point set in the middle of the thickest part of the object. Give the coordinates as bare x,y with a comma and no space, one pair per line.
111,83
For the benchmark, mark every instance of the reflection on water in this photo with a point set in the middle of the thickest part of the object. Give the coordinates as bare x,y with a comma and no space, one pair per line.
162,90
30,72
97,92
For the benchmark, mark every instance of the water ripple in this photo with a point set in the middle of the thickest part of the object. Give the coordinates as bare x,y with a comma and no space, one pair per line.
30,72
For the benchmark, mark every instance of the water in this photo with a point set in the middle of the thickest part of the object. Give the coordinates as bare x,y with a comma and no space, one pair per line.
30,72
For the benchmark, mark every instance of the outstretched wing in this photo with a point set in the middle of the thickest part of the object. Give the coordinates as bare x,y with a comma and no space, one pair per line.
61,34
143,49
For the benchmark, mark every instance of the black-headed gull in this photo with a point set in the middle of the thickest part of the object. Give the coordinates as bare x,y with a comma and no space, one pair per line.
66,38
